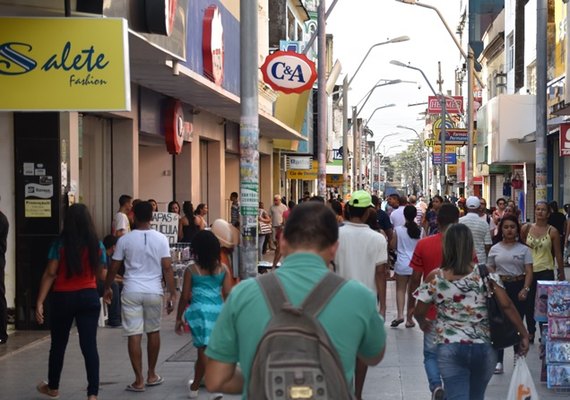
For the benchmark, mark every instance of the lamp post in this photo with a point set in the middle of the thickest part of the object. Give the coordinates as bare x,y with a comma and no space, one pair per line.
443,130
425,183
345,128
379,108
469,59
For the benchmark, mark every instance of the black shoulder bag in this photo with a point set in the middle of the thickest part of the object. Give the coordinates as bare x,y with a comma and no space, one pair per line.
503,332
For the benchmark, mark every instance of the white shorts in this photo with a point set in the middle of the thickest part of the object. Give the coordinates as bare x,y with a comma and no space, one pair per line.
141,312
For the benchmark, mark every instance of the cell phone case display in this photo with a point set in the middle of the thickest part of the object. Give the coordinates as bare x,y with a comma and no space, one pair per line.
541,299
556,297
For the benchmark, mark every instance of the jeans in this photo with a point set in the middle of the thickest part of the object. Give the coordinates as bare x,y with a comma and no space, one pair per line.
3,304
84,307
513,289
466,369
115,306
547,275
260,242
430,361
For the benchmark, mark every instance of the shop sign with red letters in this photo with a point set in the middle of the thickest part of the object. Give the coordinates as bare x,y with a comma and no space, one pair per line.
289,72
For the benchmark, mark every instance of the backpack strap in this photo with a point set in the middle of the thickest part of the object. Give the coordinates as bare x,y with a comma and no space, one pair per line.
275,295
322,293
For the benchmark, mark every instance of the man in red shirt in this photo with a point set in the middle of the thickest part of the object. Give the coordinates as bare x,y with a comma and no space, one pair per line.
428,256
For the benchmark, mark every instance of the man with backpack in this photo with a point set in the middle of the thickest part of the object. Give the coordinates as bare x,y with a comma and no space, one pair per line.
264,329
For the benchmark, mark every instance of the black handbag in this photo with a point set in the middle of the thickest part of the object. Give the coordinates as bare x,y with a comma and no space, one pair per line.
503,332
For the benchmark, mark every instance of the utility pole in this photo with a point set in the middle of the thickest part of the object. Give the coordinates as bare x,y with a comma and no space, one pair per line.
355,151
442,130
345,186
249,139
322,100
469,120
541,165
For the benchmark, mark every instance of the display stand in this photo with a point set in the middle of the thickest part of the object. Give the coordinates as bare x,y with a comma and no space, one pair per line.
552,305
181,258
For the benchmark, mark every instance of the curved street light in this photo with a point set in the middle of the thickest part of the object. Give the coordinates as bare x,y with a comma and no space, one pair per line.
379,108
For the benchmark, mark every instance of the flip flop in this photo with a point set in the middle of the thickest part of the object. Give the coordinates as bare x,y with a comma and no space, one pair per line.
396,323
159,381
131,388
410,324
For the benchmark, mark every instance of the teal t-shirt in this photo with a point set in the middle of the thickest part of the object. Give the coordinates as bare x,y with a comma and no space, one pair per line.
351,318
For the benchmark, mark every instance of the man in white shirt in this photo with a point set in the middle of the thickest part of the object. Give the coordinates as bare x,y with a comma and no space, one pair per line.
362,255
478,227
121,224
146,255
276,212
397,215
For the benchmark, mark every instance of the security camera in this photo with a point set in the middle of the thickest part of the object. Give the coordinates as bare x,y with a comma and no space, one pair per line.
419,86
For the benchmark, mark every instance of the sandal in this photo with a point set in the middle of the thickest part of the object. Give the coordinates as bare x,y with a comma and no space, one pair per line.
410,324
397,322
43,388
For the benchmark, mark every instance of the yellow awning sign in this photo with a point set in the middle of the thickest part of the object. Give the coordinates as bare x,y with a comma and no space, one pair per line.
64,64
449,148
304,174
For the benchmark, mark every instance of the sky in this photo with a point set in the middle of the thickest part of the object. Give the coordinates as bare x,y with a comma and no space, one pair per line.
358,24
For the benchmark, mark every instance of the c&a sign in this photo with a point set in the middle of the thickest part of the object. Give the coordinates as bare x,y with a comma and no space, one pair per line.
289,72
64,64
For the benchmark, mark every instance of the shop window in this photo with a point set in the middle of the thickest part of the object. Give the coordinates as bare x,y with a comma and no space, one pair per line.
510,52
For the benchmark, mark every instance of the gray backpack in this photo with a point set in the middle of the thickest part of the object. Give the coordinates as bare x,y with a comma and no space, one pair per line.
295,358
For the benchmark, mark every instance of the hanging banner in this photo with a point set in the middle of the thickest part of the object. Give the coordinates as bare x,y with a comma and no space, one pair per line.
64,64
564,140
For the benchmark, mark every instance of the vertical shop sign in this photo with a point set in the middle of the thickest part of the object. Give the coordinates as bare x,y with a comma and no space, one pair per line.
213,45
564,140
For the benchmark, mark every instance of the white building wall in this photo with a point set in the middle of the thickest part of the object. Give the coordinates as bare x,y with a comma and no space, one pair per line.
510,8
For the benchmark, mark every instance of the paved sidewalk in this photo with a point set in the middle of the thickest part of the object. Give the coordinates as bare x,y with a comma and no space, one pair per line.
399,376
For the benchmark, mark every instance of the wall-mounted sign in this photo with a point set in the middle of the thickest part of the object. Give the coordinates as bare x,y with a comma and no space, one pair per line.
64,64
299,162
289,72
176,130
564,140
453,105
450,158
453,136
305,174
160,16
213,45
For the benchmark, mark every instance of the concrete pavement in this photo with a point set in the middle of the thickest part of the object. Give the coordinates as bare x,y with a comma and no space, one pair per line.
400,376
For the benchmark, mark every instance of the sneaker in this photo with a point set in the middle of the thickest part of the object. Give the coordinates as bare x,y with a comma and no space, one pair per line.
438,394
498,369
192,394
216,396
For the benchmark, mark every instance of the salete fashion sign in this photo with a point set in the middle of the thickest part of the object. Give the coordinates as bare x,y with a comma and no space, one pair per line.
64,64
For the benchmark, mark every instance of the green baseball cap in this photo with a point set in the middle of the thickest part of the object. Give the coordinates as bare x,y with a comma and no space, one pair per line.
360,199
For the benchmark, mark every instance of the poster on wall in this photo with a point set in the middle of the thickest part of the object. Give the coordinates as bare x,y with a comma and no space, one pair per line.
167,224
38,191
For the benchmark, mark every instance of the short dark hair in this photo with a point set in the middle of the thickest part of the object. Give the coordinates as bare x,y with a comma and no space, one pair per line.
124,199
233,194
311,223
375,200
143,211
500,199
448,214
356,212
109,241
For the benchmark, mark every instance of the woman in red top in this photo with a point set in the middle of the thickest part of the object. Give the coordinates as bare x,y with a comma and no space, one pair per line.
75,261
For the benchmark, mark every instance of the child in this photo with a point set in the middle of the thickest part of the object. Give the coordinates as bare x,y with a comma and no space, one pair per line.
204,285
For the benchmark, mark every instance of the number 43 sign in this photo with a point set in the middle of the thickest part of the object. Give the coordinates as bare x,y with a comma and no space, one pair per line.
289,72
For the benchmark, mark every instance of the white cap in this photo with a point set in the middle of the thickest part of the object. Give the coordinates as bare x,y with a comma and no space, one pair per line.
473,203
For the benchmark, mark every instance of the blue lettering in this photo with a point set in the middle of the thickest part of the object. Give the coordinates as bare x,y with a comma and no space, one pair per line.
297,73
274,70
13,58
80,61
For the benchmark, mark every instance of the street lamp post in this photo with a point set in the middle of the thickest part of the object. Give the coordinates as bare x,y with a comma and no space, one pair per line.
443,129
469,58
345,127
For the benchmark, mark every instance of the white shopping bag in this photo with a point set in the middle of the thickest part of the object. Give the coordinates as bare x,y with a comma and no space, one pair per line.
522,386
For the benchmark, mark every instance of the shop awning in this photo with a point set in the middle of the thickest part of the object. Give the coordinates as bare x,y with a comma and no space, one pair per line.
156,70
553,125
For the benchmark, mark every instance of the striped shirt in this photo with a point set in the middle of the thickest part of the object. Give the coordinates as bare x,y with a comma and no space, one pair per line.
481,234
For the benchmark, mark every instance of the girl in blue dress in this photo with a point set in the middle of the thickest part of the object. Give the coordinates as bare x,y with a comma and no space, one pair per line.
206,284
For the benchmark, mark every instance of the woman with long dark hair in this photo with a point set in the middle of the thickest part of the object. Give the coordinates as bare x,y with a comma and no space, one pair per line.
404,241
187,227
75,261
206,284
200,215
430,217
465,355
512,260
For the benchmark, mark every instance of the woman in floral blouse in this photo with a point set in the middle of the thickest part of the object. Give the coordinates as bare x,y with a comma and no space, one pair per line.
466,357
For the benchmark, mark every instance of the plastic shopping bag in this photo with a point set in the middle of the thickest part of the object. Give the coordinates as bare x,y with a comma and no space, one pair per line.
522,386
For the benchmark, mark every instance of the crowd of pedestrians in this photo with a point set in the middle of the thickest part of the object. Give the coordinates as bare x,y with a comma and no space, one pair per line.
432,250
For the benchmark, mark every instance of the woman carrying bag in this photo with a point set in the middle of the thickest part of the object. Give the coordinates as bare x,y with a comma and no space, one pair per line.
511,259
465,354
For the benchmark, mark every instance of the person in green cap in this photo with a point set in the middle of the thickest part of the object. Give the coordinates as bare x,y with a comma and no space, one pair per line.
363,256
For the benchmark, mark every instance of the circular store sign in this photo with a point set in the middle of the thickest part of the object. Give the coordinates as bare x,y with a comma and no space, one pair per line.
289,72
213,45
174,127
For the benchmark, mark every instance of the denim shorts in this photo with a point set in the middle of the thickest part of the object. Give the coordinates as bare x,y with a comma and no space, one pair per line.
466,369
141,312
